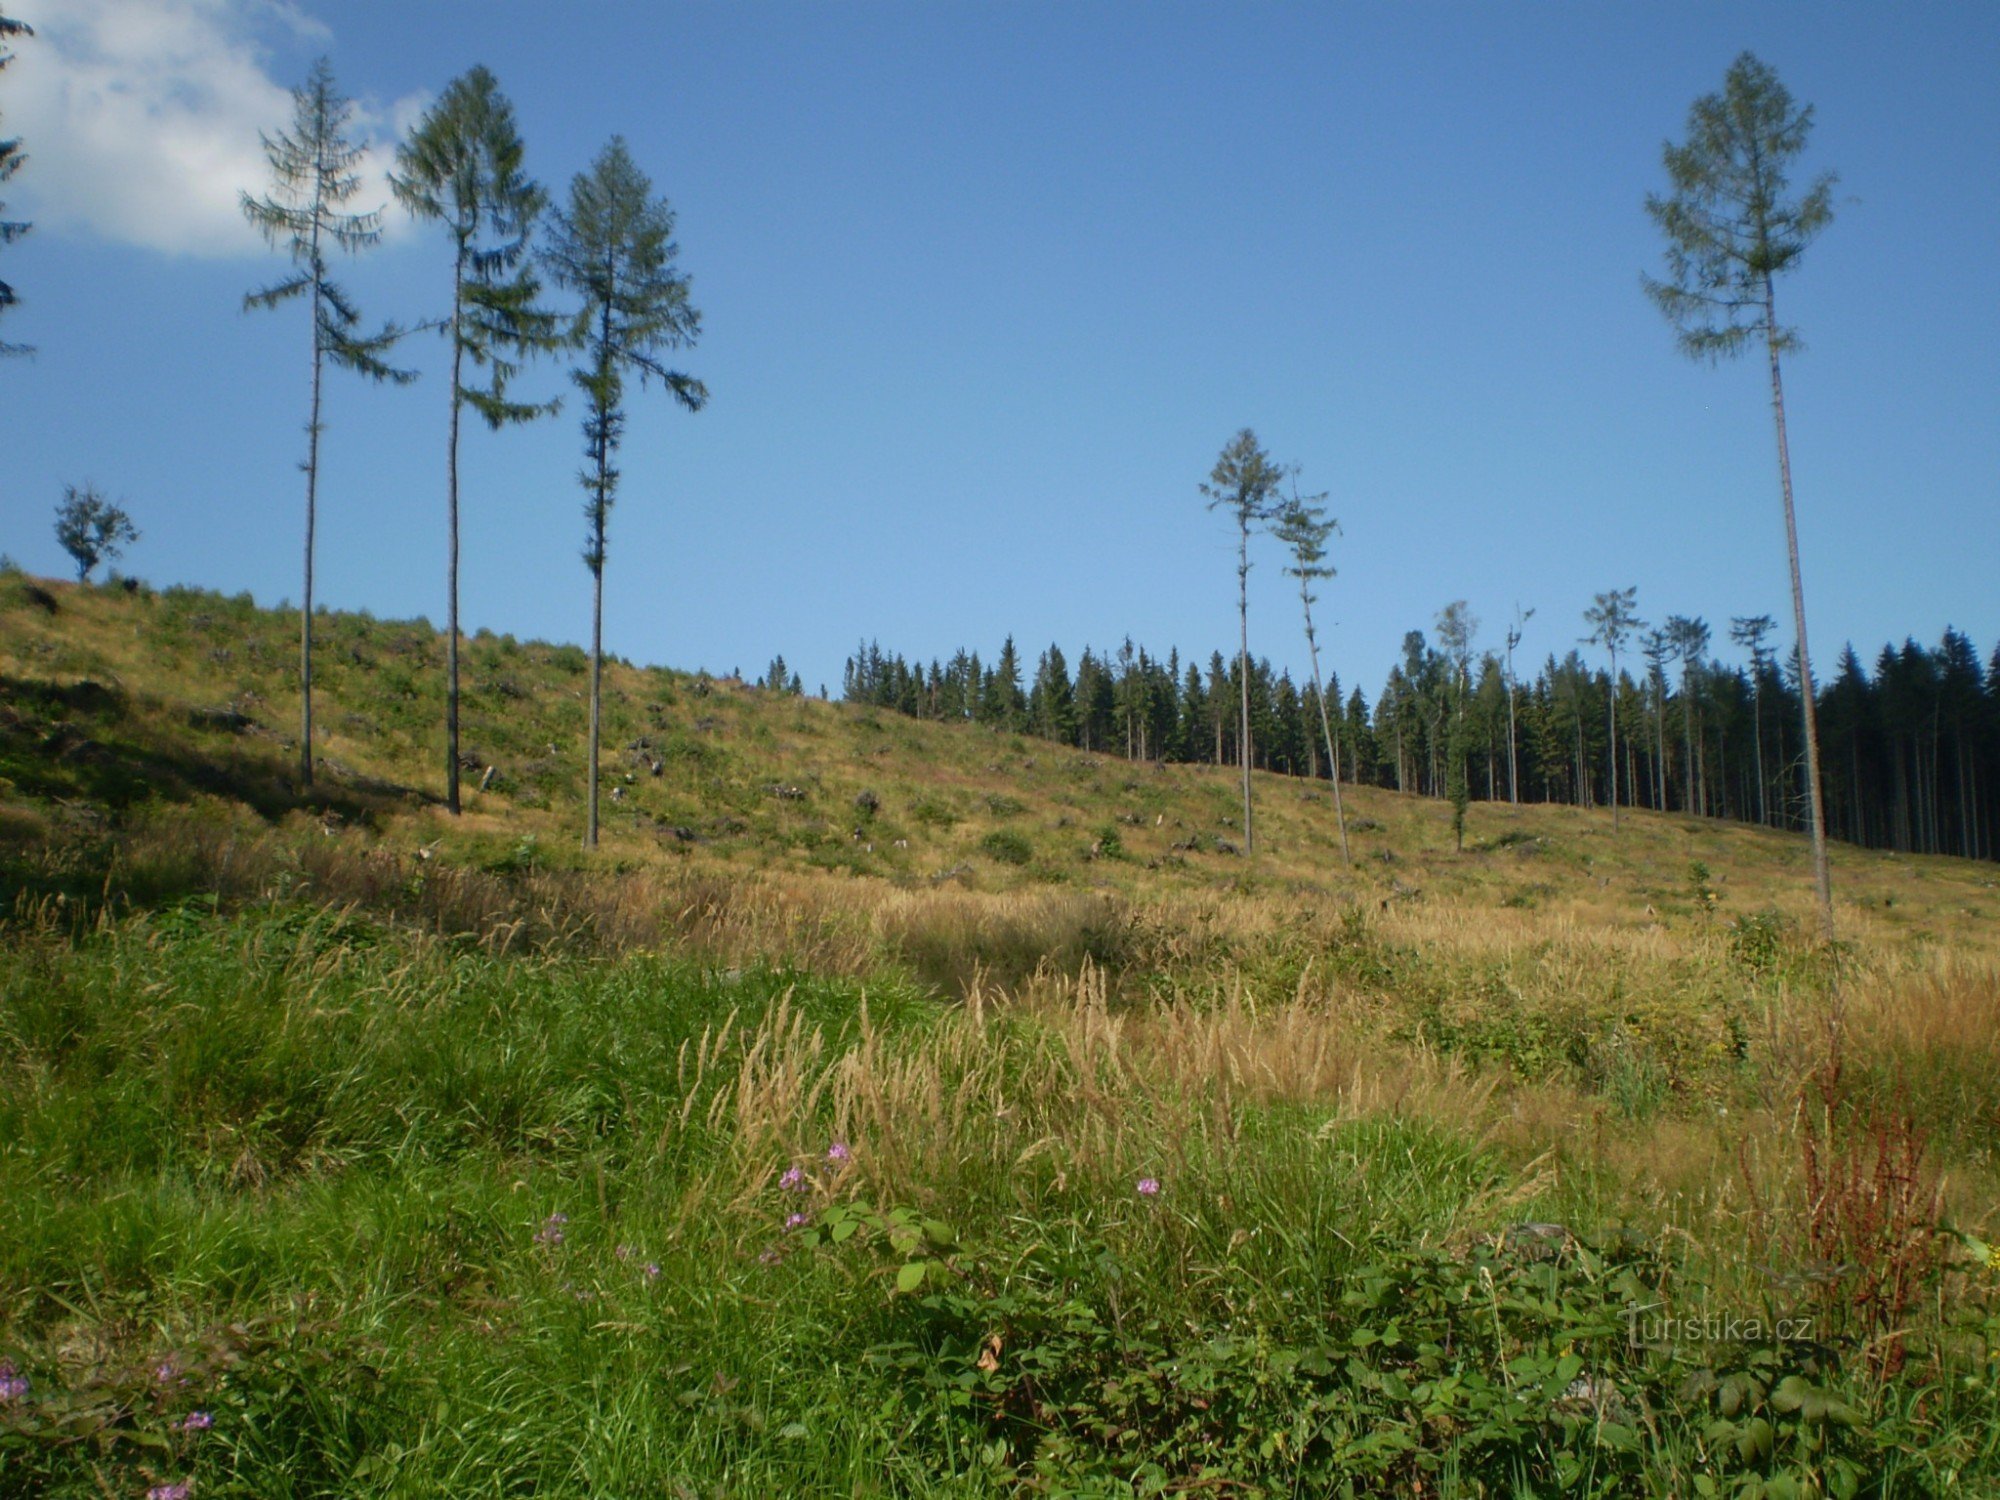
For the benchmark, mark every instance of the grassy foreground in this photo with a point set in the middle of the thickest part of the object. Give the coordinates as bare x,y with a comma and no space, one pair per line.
346,1153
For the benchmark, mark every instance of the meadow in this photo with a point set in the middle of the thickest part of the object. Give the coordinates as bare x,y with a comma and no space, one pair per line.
891,1108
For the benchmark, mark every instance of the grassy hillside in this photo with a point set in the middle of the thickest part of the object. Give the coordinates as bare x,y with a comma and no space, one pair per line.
902,1109
139,703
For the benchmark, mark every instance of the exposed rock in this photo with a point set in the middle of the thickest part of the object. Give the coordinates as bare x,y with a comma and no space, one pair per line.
1537,1241
229,719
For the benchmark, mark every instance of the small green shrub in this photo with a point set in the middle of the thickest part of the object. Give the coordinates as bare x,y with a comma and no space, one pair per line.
1511,1367
1007,846
1701,892
932,813
1757,940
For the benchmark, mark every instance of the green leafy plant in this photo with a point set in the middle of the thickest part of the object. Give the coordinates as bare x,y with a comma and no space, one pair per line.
915,1249
1007,846
1701,892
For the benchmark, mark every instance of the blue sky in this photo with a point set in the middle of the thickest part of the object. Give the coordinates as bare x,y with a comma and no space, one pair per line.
985,290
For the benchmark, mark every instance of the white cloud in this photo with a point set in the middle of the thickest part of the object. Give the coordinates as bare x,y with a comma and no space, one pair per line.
141,117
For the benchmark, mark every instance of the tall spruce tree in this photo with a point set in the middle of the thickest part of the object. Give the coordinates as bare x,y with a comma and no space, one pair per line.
1243,482
1303,525
1688,636
1732,227
1514,633
313,178
462,167
614,246
1658,649
1456,626
1002,701
1750,630
1611,620
1051,701
11,159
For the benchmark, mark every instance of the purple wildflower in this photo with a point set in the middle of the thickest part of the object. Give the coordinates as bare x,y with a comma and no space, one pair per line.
770,1256
13,1385
652,1270
197,1421
177,1491
796,1221
837,1151
551,1231
794,1180
1149,1187
165,1371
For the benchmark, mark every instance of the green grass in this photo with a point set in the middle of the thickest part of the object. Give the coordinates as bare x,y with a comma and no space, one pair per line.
435,1158
316,1164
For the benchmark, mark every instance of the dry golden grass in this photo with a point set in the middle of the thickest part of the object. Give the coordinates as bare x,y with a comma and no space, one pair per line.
725,751
1552,991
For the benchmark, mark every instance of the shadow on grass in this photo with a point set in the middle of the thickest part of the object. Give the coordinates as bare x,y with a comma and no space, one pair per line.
86,743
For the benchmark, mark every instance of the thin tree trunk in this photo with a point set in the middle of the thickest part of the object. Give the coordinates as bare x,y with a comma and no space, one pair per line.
1854,774
312,517
1691,802
1708,807
602,444
1611,703
1965,847
1937,778
451,570
596,680
1822,871
1660,737
1243,670
1513,763
1969,774
1757,718
1325,728
1581,795
1720,802
1899,834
